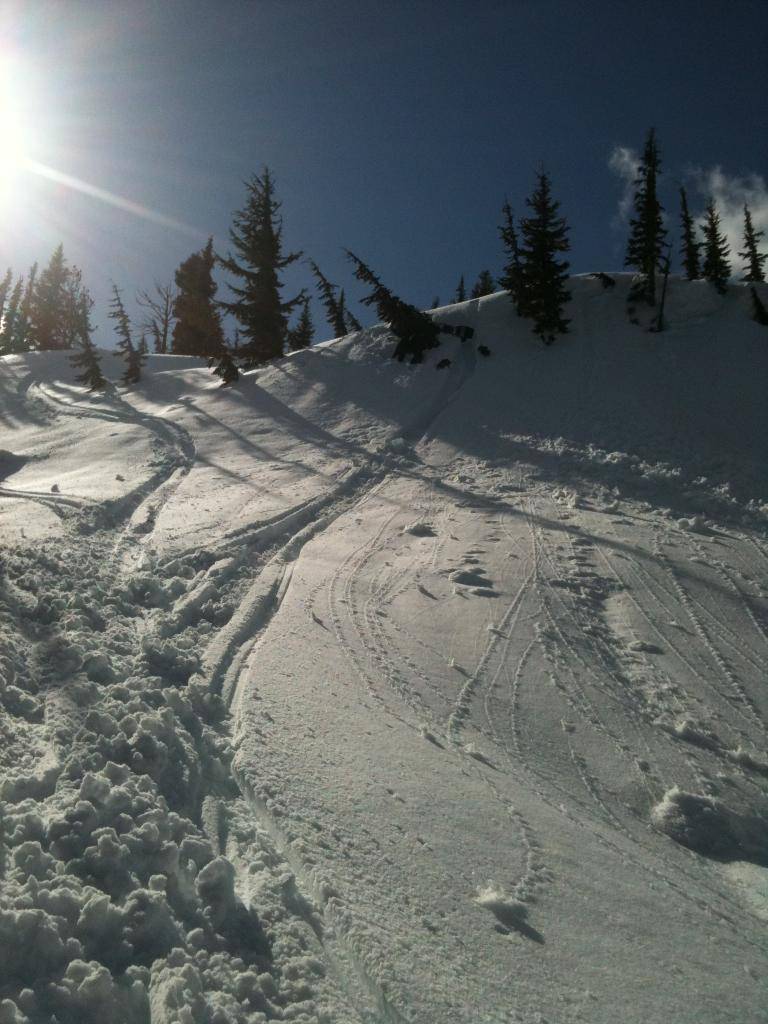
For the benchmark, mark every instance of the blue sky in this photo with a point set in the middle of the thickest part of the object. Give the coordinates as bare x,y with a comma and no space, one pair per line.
394,129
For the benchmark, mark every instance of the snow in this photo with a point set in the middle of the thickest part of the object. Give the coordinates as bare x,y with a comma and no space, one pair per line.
358,692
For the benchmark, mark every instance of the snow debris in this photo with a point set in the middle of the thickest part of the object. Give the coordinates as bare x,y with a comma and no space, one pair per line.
705,825
420,529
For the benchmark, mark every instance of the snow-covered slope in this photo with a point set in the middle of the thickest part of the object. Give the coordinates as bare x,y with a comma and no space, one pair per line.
363,692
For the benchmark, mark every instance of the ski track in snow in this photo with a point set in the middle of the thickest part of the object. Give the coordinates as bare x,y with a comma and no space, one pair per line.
584,664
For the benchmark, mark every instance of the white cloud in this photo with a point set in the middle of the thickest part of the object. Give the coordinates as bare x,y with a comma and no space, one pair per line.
624,162
730,194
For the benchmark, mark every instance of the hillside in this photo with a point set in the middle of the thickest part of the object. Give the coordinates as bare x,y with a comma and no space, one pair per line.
368,692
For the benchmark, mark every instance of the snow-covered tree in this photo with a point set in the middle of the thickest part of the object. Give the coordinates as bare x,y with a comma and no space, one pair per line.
689,248
415,331
544,237
257,240
647,237
754,259
717,268
197,330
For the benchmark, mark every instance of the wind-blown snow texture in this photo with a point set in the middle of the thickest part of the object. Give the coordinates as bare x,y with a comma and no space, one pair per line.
360,692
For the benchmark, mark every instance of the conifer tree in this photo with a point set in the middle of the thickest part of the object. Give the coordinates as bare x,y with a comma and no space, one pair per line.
483,286
134,359
334,307
435,302
717,268
197,330
257,240
302,334
5,287
10,339
690,248
50,321
753,258
86,356
224,366
511,279
545,235
647,233
353,324
461,291
22,334
415,331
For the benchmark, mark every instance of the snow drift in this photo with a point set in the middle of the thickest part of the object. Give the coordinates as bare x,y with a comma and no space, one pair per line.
364,692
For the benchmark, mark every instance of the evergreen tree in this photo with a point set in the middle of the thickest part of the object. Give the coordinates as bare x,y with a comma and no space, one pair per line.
435,302
461,291
225,366
86,356
647,233
690,248
22,333
415,331
353,324
10,340
483,286
257,239
159,314
197,331
544,235
753,258
134,359
302,334
50,315
717,268
5,287
511,279
334,307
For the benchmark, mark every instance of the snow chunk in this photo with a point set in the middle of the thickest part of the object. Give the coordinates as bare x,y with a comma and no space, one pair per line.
707,826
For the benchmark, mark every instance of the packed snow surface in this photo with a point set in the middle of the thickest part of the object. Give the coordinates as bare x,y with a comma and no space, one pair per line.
362,693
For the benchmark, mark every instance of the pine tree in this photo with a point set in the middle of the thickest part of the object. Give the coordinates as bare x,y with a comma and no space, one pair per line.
483,286
10,342
302,334
415,331
225,366
334,307
717,268
257,239
86,356
511,279
197,331
543,275
353,324
49,322
435,302
753,258
647,233
461,291
159,314
5,287
690,249
134,359
22,335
